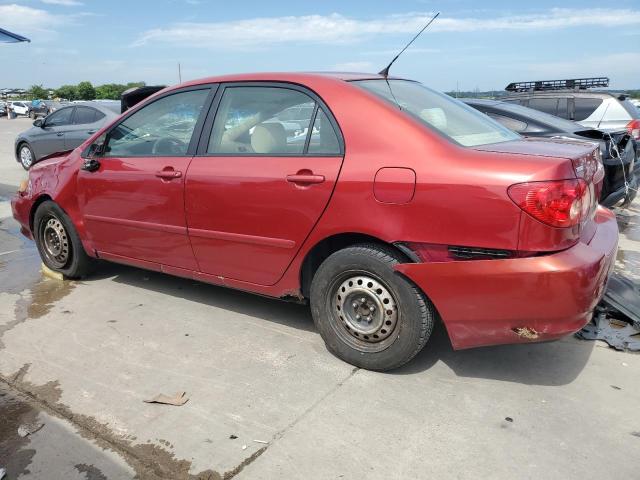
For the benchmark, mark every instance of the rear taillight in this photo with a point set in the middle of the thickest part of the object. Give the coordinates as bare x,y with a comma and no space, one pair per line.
558,203
633,127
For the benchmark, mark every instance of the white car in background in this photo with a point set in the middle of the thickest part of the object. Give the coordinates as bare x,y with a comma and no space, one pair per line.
20,108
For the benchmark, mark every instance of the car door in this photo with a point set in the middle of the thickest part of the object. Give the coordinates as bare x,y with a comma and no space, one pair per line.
50,138
259,183
85,122
133,202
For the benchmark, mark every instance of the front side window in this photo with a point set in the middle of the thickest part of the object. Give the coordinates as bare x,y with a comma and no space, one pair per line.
451,118
162,128
59,118
261,121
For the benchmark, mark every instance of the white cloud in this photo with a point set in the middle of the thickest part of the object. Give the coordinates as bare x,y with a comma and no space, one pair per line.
30,21
339,29
65,3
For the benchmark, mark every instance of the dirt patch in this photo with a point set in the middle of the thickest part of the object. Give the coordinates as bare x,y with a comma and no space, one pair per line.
149,461
91,471
37,302
15,411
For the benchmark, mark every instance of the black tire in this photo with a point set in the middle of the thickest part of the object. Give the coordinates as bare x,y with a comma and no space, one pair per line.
26,164
51,221
32,115
411,318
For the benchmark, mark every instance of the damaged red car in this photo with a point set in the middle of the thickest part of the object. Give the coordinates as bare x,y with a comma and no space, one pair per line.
382,203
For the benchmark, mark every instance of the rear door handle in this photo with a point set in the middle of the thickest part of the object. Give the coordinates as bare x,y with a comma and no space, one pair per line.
91,132
305,178
168,174
59,134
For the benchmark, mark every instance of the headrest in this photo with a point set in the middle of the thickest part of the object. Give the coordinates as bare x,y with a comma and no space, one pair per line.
269,138
435,117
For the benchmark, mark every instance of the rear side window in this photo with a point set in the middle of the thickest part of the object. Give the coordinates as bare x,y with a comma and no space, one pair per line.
584,107
324,140
84,115
546,105
261,121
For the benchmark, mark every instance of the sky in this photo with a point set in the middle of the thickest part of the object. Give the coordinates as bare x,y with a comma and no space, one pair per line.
472,45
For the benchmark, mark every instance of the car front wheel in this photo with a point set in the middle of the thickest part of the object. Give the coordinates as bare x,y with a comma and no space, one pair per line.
367,314
26,156
58,242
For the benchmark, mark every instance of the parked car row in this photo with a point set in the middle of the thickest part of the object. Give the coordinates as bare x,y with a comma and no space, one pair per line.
31,108
63,130
400,206
569,109
617,148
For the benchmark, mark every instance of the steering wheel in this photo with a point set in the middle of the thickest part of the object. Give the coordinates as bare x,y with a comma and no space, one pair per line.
168,146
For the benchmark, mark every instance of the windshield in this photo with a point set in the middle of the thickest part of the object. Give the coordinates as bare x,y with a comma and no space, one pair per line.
453,119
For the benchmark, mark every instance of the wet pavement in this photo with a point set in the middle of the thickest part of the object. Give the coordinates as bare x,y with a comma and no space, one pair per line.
267,401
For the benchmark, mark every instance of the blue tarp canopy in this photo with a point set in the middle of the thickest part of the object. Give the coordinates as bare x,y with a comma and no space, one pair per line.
8,37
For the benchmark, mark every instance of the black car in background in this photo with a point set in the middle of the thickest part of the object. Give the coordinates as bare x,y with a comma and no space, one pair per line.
618,148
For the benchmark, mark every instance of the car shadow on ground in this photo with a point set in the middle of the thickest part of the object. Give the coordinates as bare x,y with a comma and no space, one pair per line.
552,363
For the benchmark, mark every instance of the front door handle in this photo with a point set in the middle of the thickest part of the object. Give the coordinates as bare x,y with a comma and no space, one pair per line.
60,134
91,132
168,173
305,178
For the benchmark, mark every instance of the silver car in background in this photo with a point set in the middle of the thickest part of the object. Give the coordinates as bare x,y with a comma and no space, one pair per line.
64,129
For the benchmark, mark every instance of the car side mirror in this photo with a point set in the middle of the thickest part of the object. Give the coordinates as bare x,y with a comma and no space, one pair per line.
38,123
93,152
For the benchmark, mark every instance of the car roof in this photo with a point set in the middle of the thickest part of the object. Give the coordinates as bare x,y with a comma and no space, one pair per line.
293,77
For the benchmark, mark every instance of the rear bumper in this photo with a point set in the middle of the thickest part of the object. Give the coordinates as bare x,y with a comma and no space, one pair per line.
491,302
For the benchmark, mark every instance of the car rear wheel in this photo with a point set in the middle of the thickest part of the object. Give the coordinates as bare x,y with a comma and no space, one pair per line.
367,314
32,114
58,242
25,154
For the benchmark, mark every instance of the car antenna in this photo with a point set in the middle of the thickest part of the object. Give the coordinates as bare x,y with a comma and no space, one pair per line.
385,71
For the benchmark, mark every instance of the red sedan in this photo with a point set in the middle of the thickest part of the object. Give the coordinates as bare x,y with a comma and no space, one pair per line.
382,203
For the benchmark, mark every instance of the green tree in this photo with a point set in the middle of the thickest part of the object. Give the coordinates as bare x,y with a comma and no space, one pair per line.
86,91
68,92
110,91
36,92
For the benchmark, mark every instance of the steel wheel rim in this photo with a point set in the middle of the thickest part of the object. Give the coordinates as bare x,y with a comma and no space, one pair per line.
364,312
25,156
55,242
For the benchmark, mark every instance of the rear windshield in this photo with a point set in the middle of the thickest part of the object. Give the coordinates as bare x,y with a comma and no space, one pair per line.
551,120
453,119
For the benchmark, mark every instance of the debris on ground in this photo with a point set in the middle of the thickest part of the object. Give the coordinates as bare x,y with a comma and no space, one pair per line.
616,319
232,437
29,428
608,325
3,472
179,399
509,419
261,441
244,447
